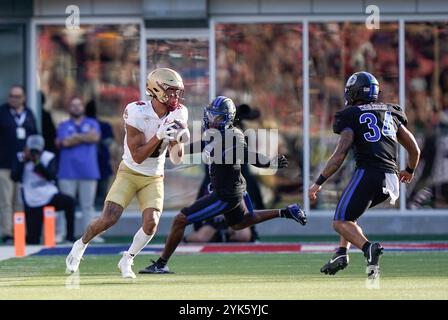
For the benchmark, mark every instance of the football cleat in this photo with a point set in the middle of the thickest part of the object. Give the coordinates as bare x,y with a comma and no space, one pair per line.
155,267
74,257
125,266
373,254
295,212
336,263
373,272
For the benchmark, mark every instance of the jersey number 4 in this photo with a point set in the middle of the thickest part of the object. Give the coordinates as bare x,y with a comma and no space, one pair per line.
374,135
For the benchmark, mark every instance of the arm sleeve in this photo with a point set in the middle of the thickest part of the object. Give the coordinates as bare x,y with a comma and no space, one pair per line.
261,160
342,121
61,133
250,156
49,172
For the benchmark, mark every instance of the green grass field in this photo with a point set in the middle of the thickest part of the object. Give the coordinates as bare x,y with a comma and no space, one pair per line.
416,275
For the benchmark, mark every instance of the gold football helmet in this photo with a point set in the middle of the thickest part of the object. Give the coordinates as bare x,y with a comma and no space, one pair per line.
162,79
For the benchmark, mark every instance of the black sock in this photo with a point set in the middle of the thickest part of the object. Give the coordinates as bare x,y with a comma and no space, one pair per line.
366,246
283,212
341,251
162,261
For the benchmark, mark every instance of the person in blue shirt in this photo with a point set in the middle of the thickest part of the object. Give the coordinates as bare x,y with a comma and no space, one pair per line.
78,170
104,157
17,122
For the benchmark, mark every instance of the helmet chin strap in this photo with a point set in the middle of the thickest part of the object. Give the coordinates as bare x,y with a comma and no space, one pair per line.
172,107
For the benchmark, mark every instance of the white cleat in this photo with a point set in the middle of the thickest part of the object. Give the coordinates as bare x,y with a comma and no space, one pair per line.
125,266
74,257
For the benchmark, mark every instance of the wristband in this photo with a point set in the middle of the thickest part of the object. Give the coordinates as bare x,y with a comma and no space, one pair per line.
321,180
409,170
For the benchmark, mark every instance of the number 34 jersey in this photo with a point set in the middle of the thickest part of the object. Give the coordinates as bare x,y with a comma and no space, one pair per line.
375,127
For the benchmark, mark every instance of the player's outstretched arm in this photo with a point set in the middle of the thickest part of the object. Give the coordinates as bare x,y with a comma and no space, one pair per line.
140,150
407,140
334,163
262,161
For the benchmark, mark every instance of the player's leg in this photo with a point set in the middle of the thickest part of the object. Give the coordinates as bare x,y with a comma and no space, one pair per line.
150,197
151,218
120,194
141,238
293,211
339,260
359,196
350,231
174,238
204,208
110,215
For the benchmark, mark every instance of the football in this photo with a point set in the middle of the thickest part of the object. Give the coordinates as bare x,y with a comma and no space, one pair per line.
182,132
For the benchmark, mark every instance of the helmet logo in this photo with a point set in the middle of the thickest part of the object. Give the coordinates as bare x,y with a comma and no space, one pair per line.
351,81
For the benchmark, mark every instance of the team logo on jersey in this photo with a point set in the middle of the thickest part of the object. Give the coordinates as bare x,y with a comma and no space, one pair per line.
351,81
126,115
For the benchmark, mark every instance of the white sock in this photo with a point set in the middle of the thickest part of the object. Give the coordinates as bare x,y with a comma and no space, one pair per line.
82,244
141,239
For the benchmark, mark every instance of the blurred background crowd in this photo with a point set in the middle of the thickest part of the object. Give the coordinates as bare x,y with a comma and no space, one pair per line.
257,64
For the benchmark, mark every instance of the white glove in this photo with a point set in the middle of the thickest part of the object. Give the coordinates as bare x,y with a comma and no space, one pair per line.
166,131
182,134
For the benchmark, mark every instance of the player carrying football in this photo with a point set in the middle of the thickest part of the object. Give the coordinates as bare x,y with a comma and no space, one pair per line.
227,184
373,129
150,132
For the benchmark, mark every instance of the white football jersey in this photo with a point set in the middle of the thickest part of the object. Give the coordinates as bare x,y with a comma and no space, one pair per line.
141,115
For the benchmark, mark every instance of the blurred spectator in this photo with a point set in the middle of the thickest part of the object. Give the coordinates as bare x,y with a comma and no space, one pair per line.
78,159
48,127
104,161
36,169
17,122
217,230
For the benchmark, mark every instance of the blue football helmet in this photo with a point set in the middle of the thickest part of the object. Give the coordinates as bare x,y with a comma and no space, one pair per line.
219,114
361,87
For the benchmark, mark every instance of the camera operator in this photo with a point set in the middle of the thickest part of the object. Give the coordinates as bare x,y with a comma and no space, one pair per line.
36,169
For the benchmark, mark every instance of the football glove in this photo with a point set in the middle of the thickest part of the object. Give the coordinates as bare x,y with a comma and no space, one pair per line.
166,131
280,161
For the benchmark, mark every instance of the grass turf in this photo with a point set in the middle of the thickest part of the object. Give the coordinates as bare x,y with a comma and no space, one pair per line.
409,275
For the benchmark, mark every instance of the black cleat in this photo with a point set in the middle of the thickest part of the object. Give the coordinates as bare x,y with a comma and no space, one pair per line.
336,263
155,267
295,212
373,254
